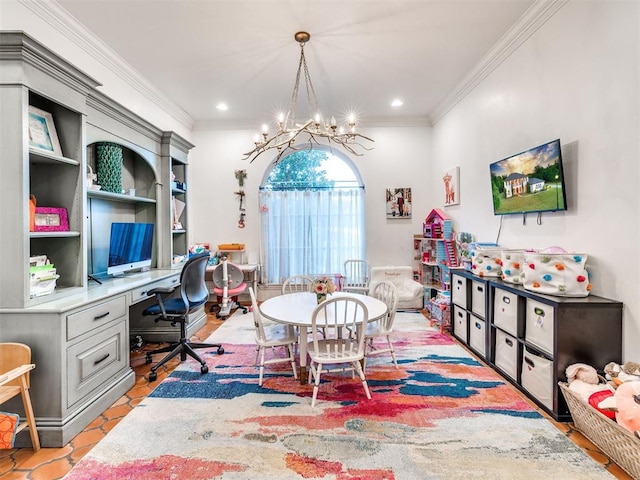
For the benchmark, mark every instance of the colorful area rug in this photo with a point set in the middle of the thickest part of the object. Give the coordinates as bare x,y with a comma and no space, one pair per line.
440,415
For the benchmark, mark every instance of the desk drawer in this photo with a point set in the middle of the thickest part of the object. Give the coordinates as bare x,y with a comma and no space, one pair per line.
140,293
95,316
95,360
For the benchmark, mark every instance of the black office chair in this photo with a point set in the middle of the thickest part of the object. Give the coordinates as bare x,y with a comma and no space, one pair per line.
193,294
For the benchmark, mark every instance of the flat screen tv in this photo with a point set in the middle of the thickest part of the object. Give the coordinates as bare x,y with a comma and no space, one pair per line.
530,181
130,247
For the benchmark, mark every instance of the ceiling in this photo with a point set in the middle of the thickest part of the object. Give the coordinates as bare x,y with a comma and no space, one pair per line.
362,53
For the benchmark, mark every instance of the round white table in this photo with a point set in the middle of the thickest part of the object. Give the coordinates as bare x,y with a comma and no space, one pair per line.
297,309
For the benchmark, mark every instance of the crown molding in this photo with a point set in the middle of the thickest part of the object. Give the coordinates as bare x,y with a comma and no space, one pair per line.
536,16
370,122
52,13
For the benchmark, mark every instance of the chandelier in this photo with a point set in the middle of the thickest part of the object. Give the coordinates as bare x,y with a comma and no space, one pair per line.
314,129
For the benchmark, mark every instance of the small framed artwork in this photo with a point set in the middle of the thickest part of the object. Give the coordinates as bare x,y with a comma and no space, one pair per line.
451,183
51,219
398,203
42,132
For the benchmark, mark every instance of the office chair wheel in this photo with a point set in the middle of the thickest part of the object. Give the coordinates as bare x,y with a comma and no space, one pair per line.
220,350
153,376
204,369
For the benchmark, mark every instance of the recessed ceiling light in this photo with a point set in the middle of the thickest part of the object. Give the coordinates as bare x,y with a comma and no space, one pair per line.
222,106
397,103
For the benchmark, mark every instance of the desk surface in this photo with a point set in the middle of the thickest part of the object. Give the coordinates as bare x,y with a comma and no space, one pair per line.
297,308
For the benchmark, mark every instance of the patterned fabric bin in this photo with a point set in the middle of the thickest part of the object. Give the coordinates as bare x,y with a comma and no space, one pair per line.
559,274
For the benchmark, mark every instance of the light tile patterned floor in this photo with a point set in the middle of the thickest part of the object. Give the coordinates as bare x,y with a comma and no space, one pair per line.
54,463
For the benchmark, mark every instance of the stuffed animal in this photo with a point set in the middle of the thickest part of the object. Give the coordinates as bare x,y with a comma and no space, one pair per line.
618,374
583,380
626,405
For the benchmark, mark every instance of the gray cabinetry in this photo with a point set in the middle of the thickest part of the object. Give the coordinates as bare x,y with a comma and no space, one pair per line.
531,339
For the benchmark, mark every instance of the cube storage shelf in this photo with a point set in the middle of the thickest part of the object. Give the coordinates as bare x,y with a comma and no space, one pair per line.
531,339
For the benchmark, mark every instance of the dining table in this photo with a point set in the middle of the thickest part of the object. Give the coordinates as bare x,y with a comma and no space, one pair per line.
297,309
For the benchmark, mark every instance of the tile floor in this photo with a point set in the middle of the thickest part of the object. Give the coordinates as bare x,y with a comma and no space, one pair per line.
54,463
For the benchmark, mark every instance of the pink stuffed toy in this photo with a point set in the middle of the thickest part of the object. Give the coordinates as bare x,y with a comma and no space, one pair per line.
627,399
583,380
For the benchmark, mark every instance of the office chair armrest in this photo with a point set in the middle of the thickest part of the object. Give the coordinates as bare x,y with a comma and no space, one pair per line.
162,290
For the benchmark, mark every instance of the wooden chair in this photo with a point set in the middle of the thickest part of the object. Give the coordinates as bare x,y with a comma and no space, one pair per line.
15,365
297,283
357,276
338,349
271,337
387,292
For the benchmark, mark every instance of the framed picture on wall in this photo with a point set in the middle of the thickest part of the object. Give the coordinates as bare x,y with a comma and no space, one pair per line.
398,203
451,184
42,132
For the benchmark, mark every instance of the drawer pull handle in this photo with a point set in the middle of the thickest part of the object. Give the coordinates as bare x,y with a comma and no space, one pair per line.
102,359
508,341
506,300
538,311
101,316
478,326
529,362
480,289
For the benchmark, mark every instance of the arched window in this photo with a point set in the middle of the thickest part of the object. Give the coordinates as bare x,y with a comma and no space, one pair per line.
312,207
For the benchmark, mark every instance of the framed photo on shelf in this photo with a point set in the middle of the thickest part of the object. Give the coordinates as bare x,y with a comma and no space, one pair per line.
42,132
51,219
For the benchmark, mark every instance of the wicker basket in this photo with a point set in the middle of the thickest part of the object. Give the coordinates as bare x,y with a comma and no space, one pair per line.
616,442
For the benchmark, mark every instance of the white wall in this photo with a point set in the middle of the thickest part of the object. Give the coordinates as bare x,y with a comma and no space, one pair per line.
400,159
577,79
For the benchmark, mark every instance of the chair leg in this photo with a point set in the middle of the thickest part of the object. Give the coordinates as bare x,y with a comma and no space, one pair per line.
316,374
28,410
393,353
262,354
358,367
293,359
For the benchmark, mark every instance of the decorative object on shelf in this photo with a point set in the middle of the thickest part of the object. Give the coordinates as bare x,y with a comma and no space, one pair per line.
109,166
32,213
463,239
178,208
315,128
50,219
398,202
451,180
91,178
42,132
323,286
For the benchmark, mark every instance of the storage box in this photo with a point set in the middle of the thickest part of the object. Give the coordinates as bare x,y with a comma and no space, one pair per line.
537,377
512,263
616,442
459,290
507,354
231,246
460,323
539,325
560,274
477,335
478,300
505,311
486,259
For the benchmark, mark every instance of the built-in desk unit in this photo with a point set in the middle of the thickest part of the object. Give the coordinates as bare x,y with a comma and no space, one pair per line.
531,339
79,333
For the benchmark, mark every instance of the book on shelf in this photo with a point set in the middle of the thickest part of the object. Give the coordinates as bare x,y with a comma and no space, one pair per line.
42,276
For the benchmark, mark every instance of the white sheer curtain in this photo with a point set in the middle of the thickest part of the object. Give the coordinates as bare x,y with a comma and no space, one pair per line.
310,232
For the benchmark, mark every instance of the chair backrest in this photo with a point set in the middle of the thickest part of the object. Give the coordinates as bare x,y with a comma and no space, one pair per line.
331,323
297,283
235,276
388,293
193,287
257,318
356,274
13,355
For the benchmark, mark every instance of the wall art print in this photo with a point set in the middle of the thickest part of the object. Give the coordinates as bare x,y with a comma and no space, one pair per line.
451,184
398,203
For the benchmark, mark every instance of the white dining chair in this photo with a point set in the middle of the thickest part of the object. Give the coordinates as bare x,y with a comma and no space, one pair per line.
357,275
297,283
383,327
337,348
271,336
